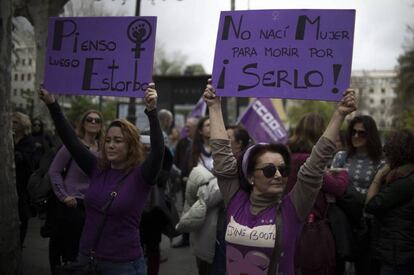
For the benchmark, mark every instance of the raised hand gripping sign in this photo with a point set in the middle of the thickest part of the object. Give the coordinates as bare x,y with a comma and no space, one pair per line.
297,54
111,56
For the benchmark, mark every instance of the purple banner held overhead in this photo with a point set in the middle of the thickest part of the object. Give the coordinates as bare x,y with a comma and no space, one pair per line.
263,123
110,56
297,54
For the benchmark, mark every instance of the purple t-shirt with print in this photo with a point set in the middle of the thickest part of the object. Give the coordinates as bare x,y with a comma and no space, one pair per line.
250,238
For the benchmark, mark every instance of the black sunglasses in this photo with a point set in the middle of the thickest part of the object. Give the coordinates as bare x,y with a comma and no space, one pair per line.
97,120
361,133
269,170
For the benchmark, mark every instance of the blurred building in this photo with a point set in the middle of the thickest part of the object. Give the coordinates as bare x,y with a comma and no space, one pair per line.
376,93
23,66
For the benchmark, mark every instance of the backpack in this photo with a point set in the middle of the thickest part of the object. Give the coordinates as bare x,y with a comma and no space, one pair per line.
315,247
38,186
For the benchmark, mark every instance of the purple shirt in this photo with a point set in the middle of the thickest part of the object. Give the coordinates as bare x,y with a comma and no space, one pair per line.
75,182
120,240
250,238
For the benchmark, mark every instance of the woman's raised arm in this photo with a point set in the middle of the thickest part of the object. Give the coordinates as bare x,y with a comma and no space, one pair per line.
80,153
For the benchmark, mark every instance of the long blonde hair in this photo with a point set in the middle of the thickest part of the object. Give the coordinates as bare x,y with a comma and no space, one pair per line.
135,147
80,129
24,120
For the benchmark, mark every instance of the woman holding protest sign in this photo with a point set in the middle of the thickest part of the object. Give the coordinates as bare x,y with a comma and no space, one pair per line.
263,222
120,181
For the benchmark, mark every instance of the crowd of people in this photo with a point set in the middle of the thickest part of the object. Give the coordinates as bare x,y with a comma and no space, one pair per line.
329,201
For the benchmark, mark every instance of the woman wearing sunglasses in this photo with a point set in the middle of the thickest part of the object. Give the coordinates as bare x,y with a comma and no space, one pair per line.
362,159
120,182
263,222
69,184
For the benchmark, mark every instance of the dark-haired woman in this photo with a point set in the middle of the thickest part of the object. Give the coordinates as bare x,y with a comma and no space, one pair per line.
362,159
390,199
263,222
315,250
122,173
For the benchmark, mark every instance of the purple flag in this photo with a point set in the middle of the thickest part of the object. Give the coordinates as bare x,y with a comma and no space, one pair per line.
263,123
297,54
198,111
110,56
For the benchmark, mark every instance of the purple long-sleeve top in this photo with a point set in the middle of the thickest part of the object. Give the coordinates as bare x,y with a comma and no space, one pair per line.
119,241
74,183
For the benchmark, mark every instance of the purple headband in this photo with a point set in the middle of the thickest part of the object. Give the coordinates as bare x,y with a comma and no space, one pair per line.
246,156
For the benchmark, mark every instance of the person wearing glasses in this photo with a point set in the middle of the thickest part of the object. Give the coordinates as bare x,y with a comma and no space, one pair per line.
69,184
263,222
121,178
362,159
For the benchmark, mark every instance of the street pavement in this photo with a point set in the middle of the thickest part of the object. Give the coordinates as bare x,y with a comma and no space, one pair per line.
35,255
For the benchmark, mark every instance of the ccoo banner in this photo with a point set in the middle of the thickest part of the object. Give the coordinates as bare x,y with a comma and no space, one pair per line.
296,54
110,56
263,123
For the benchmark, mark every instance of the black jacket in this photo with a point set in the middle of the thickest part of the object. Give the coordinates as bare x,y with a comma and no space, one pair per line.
393,208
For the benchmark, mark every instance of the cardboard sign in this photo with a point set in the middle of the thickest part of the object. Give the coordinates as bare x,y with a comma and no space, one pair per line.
297,54
263,123
110,56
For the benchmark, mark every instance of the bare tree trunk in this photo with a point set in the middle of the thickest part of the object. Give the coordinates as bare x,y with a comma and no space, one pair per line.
10,251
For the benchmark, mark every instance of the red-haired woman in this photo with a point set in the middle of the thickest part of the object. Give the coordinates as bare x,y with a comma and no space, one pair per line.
120,181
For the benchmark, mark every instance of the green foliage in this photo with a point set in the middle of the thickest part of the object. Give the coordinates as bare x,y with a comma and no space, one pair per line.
405,77
168,64
195,69
109,110
407,119
325,109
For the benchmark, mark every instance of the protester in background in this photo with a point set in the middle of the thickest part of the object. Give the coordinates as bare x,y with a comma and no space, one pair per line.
43,141
202,184
166,121
239,139
315,249
120,175
362,159
256,204
181,160
69,185
155,216
24,146
390,199
173,138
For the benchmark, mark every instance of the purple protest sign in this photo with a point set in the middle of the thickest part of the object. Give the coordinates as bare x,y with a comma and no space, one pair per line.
297,54
111,56
263,123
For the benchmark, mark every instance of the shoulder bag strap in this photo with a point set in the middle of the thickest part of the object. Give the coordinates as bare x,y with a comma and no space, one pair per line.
105,210
277,249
